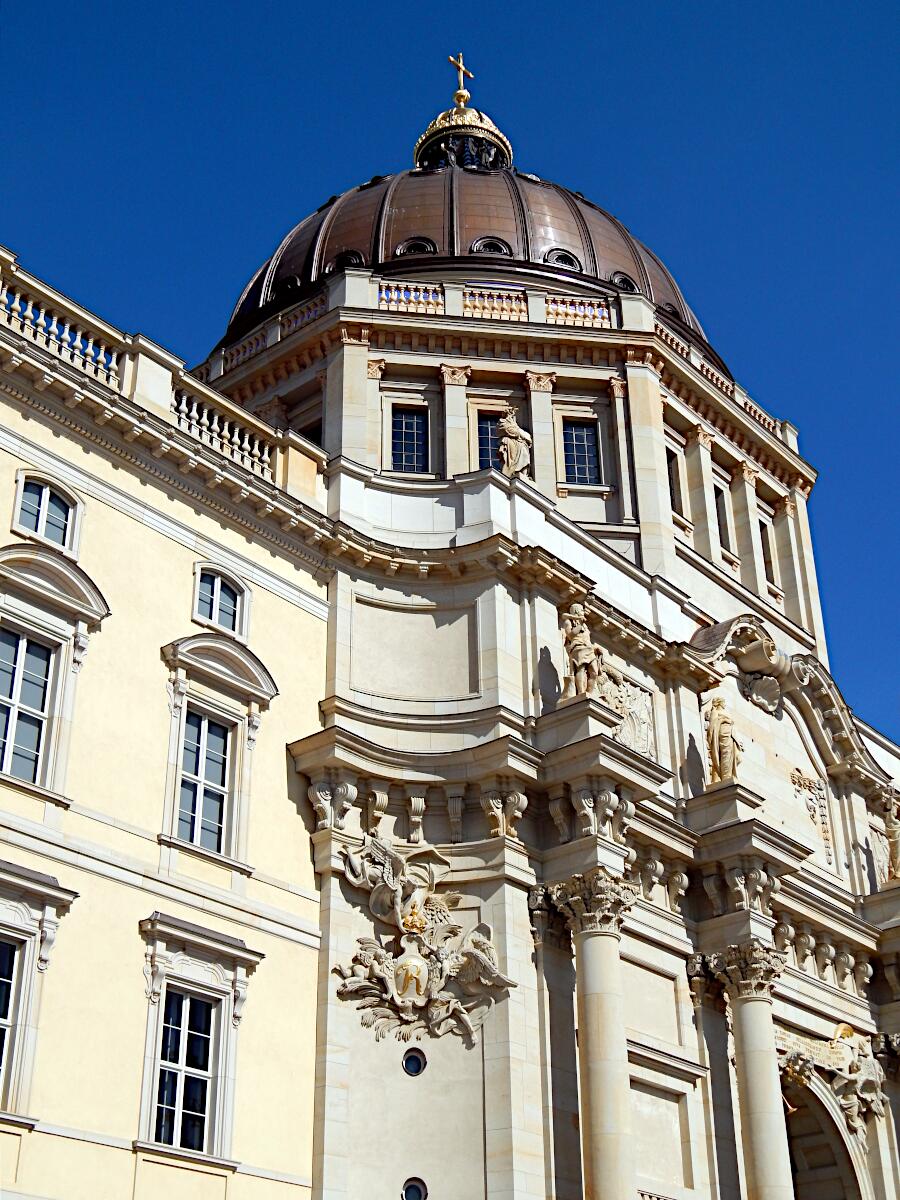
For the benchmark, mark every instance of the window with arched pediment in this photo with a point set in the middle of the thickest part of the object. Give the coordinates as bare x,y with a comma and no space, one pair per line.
49,607
46,511
217,690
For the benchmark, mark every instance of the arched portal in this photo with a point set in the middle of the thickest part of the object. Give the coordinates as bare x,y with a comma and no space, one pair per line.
823,1164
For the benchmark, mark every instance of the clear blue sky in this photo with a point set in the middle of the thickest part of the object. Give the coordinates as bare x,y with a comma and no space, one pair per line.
153,156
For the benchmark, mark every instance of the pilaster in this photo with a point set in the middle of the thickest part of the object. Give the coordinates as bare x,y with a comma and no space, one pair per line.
540,401
787,549
814,621
698,467
619,406
345,424
650,471
456,418
746,526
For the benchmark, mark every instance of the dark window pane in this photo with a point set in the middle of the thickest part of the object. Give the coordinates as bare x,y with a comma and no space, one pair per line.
205,596
228,602
212,820
29,510
195,1094
410,439
57,521
5,716
168,1088
674,482
187,810
196,1053
7,959
488,441
581,452
9,647
193,1128
190,759
200,1016
216,753
722,519
35,676
26,748
2,1045
765,535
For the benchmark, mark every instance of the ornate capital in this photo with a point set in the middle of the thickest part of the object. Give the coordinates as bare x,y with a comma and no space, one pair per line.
354,335
596,902
701,436
617,388
787,506
749,969
457,376
375,368
743,471
539,383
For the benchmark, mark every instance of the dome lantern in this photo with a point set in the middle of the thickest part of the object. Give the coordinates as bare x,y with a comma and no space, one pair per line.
462,136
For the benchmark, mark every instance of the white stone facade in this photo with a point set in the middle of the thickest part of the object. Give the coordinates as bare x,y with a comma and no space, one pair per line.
549,781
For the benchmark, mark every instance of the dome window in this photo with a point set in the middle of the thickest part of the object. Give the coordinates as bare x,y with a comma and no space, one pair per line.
562,258
624,282
417,245
347,258
491,245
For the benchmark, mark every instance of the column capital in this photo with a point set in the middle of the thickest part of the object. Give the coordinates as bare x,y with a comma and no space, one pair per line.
535,382
455,375
596,902
744,471
617,387
701,436
375,368
786,505
748,970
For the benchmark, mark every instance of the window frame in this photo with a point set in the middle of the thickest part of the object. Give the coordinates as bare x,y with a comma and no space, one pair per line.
49,716
415,396
590,424
76,511
597,411
211,966
721,484
181,1069
208,714
31,907
242,623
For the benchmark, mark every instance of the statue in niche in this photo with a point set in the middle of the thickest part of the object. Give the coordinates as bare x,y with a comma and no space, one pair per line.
892,833
582,651
725,747
515,445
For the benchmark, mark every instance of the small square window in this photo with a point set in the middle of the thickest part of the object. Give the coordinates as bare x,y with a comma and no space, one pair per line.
580,448
409,439
488,441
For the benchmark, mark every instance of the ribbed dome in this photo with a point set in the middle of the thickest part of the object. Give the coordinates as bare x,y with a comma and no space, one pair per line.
416,219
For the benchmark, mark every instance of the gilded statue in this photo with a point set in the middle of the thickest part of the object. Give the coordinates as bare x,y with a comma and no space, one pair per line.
515,445
725,747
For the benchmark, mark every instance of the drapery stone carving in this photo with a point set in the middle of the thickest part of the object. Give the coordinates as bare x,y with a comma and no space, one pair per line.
430,978
591,675
748,969
595,902
514,445
724,746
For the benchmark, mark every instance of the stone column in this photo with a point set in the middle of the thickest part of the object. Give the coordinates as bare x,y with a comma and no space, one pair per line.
746,527
788,552
346,399
651,478
595,905
456,419
749,972
620,427
701,510
543,449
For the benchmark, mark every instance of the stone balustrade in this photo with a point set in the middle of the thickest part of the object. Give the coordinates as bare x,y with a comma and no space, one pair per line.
580,311
47,320
495,304
411,297
205,416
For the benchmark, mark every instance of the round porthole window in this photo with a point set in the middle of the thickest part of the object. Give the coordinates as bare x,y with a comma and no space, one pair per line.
414,1062
414,1189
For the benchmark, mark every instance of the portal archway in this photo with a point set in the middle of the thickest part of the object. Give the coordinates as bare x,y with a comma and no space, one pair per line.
825,1164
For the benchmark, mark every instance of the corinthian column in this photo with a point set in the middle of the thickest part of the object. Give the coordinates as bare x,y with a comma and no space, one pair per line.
595,905
749,972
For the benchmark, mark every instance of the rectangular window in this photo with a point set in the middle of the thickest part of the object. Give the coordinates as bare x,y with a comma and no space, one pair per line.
581,452
205,781
765,536
185,1080
409,439
24,697
674,482
8,957
722,519
488,440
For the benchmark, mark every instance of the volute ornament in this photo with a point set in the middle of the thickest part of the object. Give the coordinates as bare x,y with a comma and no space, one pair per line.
595,902
748,969
430,978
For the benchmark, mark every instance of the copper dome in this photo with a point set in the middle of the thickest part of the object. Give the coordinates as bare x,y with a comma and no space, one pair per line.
454,217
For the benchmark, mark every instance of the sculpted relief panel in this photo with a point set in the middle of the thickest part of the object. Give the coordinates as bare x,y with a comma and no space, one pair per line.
413,652
430,977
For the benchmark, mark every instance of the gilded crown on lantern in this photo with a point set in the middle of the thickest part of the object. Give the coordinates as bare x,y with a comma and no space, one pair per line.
463,136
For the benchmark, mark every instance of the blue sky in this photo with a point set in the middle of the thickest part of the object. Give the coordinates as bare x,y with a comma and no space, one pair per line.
154,156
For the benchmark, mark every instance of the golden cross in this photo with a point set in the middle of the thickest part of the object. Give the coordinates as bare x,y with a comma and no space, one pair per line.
461,69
